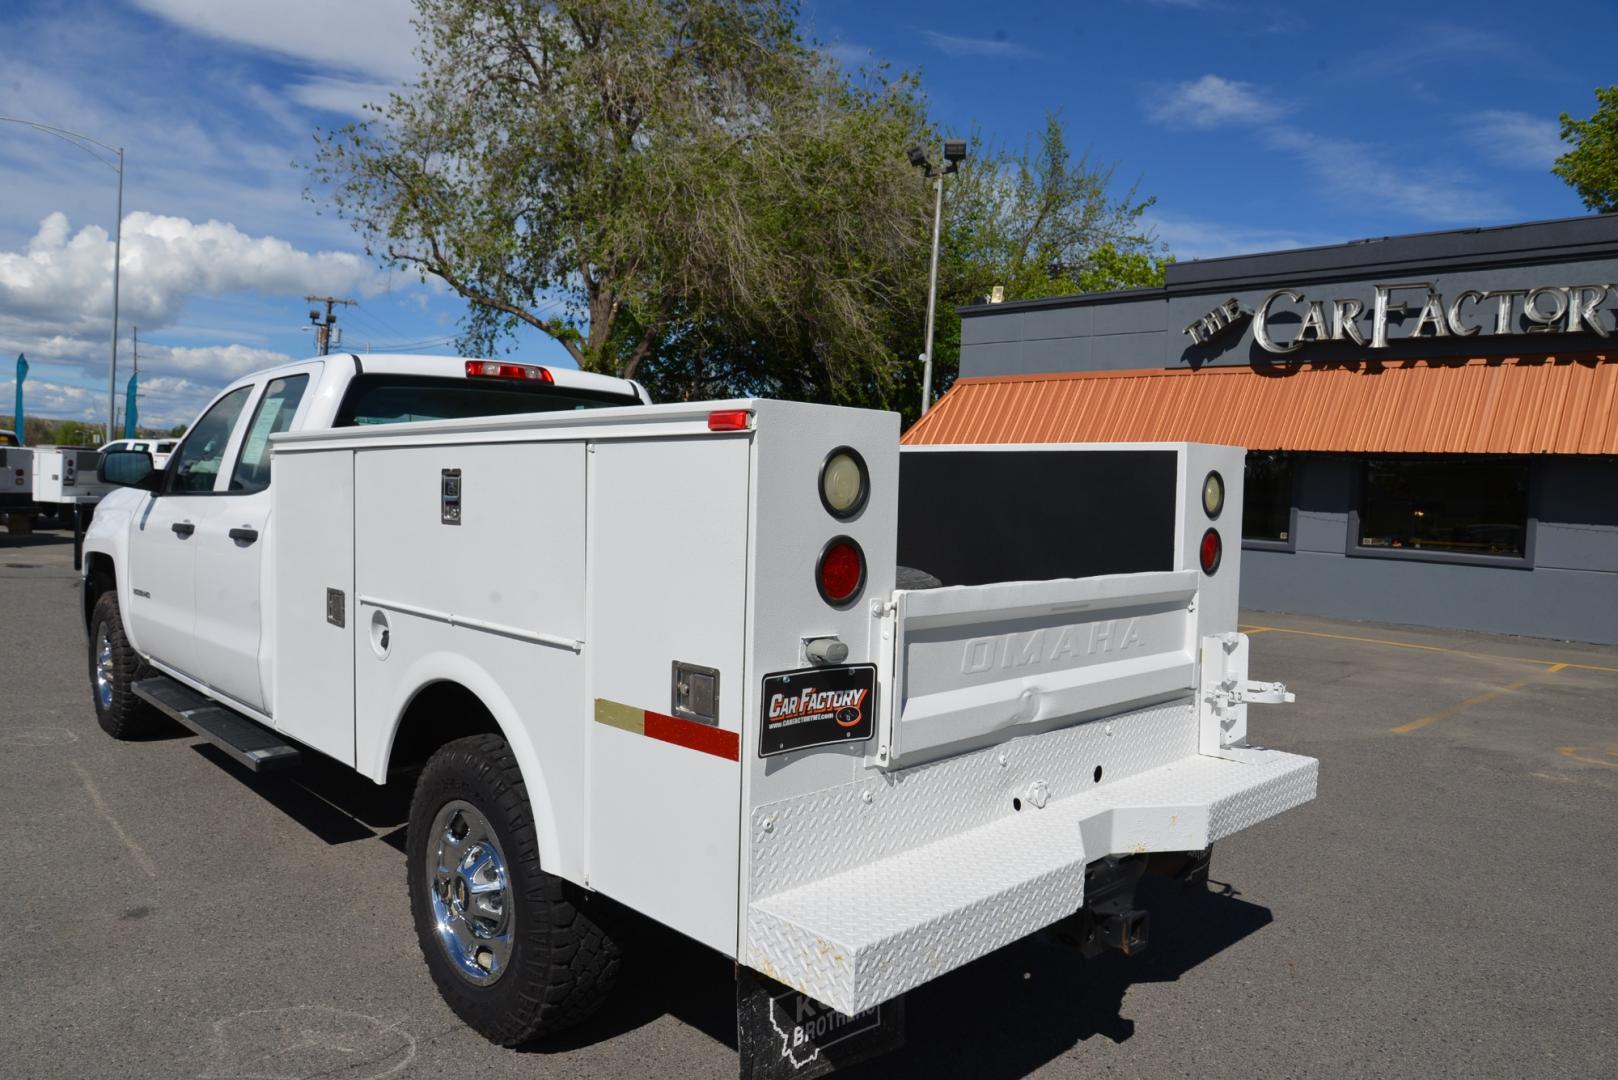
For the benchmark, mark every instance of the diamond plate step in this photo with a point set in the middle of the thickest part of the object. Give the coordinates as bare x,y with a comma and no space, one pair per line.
863,936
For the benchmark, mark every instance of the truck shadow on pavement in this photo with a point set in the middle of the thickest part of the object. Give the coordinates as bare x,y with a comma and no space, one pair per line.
327,798
1002,1016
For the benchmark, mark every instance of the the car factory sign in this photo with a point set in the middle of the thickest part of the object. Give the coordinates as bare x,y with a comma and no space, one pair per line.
1547,309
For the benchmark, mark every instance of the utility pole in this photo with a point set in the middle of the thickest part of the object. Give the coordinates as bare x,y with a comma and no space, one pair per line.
323,329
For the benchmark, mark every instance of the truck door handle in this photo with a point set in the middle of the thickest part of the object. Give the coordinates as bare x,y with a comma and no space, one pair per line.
244,534
183,529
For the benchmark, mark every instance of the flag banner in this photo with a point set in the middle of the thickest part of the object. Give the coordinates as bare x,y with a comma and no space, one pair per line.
129,409
16,412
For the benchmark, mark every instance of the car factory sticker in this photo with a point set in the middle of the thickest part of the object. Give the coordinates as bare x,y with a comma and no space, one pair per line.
817,707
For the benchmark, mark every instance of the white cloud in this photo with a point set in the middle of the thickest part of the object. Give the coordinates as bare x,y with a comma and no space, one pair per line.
993,47
1517,140
217,363
1188,238
346,96
1211,102
1444,196
175,381
65,278
370,36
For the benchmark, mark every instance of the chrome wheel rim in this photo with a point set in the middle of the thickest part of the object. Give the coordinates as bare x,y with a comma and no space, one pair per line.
104,672
469,890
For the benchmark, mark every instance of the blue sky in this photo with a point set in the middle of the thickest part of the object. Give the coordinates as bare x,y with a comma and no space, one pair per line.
1257,126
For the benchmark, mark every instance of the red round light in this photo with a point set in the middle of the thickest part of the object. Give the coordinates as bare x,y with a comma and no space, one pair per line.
840,573
1211,551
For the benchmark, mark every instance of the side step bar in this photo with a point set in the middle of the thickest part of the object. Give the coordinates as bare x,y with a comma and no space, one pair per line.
247,741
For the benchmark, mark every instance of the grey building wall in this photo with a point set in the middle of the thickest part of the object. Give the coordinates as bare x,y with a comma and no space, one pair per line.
1144,328
1571,592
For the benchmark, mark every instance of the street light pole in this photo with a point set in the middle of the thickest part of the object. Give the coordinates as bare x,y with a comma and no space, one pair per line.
954,154
932,296
77,139
117,254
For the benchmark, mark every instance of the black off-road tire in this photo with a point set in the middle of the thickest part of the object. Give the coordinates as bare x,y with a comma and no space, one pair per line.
122,715
563,963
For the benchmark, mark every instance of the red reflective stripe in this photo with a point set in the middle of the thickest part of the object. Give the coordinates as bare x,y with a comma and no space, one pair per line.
694,736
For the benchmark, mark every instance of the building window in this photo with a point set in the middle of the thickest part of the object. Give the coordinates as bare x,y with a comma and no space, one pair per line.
1267,498
1462,506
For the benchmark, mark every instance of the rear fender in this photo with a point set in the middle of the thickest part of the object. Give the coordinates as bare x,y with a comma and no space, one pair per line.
374,749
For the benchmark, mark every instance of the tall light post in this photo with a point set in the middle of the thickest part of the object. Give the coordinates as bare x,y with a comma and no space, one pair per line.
954,154
78,140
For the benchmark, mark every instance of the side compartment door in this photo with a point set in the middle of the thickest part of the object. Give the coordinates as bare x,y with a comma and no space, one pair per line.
314,619
231,538
667,584
162,540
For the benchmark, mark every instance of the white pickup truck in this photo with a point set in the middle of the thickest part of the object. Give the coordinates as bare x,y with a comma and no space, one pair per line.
667,655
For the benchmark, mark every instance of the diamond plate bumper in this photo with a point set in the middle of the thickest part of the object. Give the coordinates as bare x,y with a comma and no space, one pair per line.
868,933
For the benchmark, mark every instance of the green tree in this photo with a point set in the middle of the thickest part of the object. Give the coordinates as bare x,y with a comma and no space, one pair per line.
1036,223
611,173
1591,167
687,193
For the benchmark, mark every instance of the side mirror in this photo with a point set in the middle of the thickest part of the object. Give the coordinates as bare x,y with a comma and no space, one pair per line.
128,468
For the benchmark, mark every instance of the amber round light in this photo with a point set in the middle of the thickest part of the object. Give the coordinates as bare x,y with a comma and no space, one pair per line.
1211,551
840,573
1213,494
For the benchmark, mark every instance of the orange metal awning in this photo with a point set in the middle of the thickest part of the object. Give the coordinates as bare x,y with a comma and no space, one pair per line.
1512,405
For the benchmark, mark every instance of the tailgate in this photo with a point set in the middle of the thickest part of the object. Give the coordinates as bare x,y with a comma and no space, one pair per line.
976,664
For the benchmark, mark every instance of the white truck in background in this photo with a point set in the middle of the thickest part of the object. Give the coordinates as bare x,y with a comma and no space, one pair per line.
16,473
667,655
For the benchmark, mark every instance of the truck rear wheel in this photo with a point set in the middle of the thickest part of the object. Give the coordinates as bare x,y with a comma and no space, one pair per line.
115,666
508,945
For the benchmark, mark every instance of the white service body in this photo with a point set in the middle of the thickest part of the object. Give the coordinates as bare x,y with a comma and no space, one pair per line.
66,475
1022,729
16,477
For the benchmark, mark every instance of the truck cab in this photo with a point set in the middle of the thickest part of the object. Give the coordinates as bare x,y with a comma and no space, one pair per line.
184,548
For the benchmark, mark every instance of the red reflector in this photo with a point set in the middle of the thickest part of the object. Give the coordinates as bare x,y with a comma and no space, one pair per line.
494,369
840,574
1211,551
729,420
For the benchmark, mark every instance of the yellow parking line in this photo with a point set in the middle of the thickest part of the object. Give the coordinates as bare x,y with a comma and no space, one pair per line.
1555,665
1488,695
1456,710
1573,752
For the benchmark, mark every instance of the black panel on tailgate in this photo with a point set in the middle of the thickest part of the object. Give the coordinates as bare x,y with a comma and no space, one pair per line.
975,517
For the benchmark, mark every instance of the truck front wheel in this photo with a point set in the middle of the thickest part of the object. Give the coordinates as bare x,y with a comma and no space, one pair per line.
508,945
115,666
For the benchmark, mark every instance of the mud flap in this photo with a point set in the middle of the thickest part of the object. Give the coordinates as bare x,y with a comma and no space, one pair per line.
783,1035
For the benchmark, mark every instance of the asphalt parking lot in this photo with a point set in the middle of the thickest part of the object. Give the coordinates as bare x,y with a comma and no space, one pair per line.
1447,907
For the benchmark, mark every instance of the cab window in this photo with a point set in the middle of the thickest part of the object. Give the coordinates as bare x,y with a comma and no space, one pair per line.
384,398
274,414
197,465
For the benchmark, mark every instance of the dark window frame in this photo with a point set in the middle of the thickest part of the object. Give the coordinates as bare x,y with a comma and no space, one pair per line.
238,459
171,472
1356,550
1288,546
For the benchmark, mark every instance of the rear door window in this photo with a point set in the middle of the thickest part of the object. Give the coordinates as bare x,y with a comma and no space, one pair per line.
274,414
